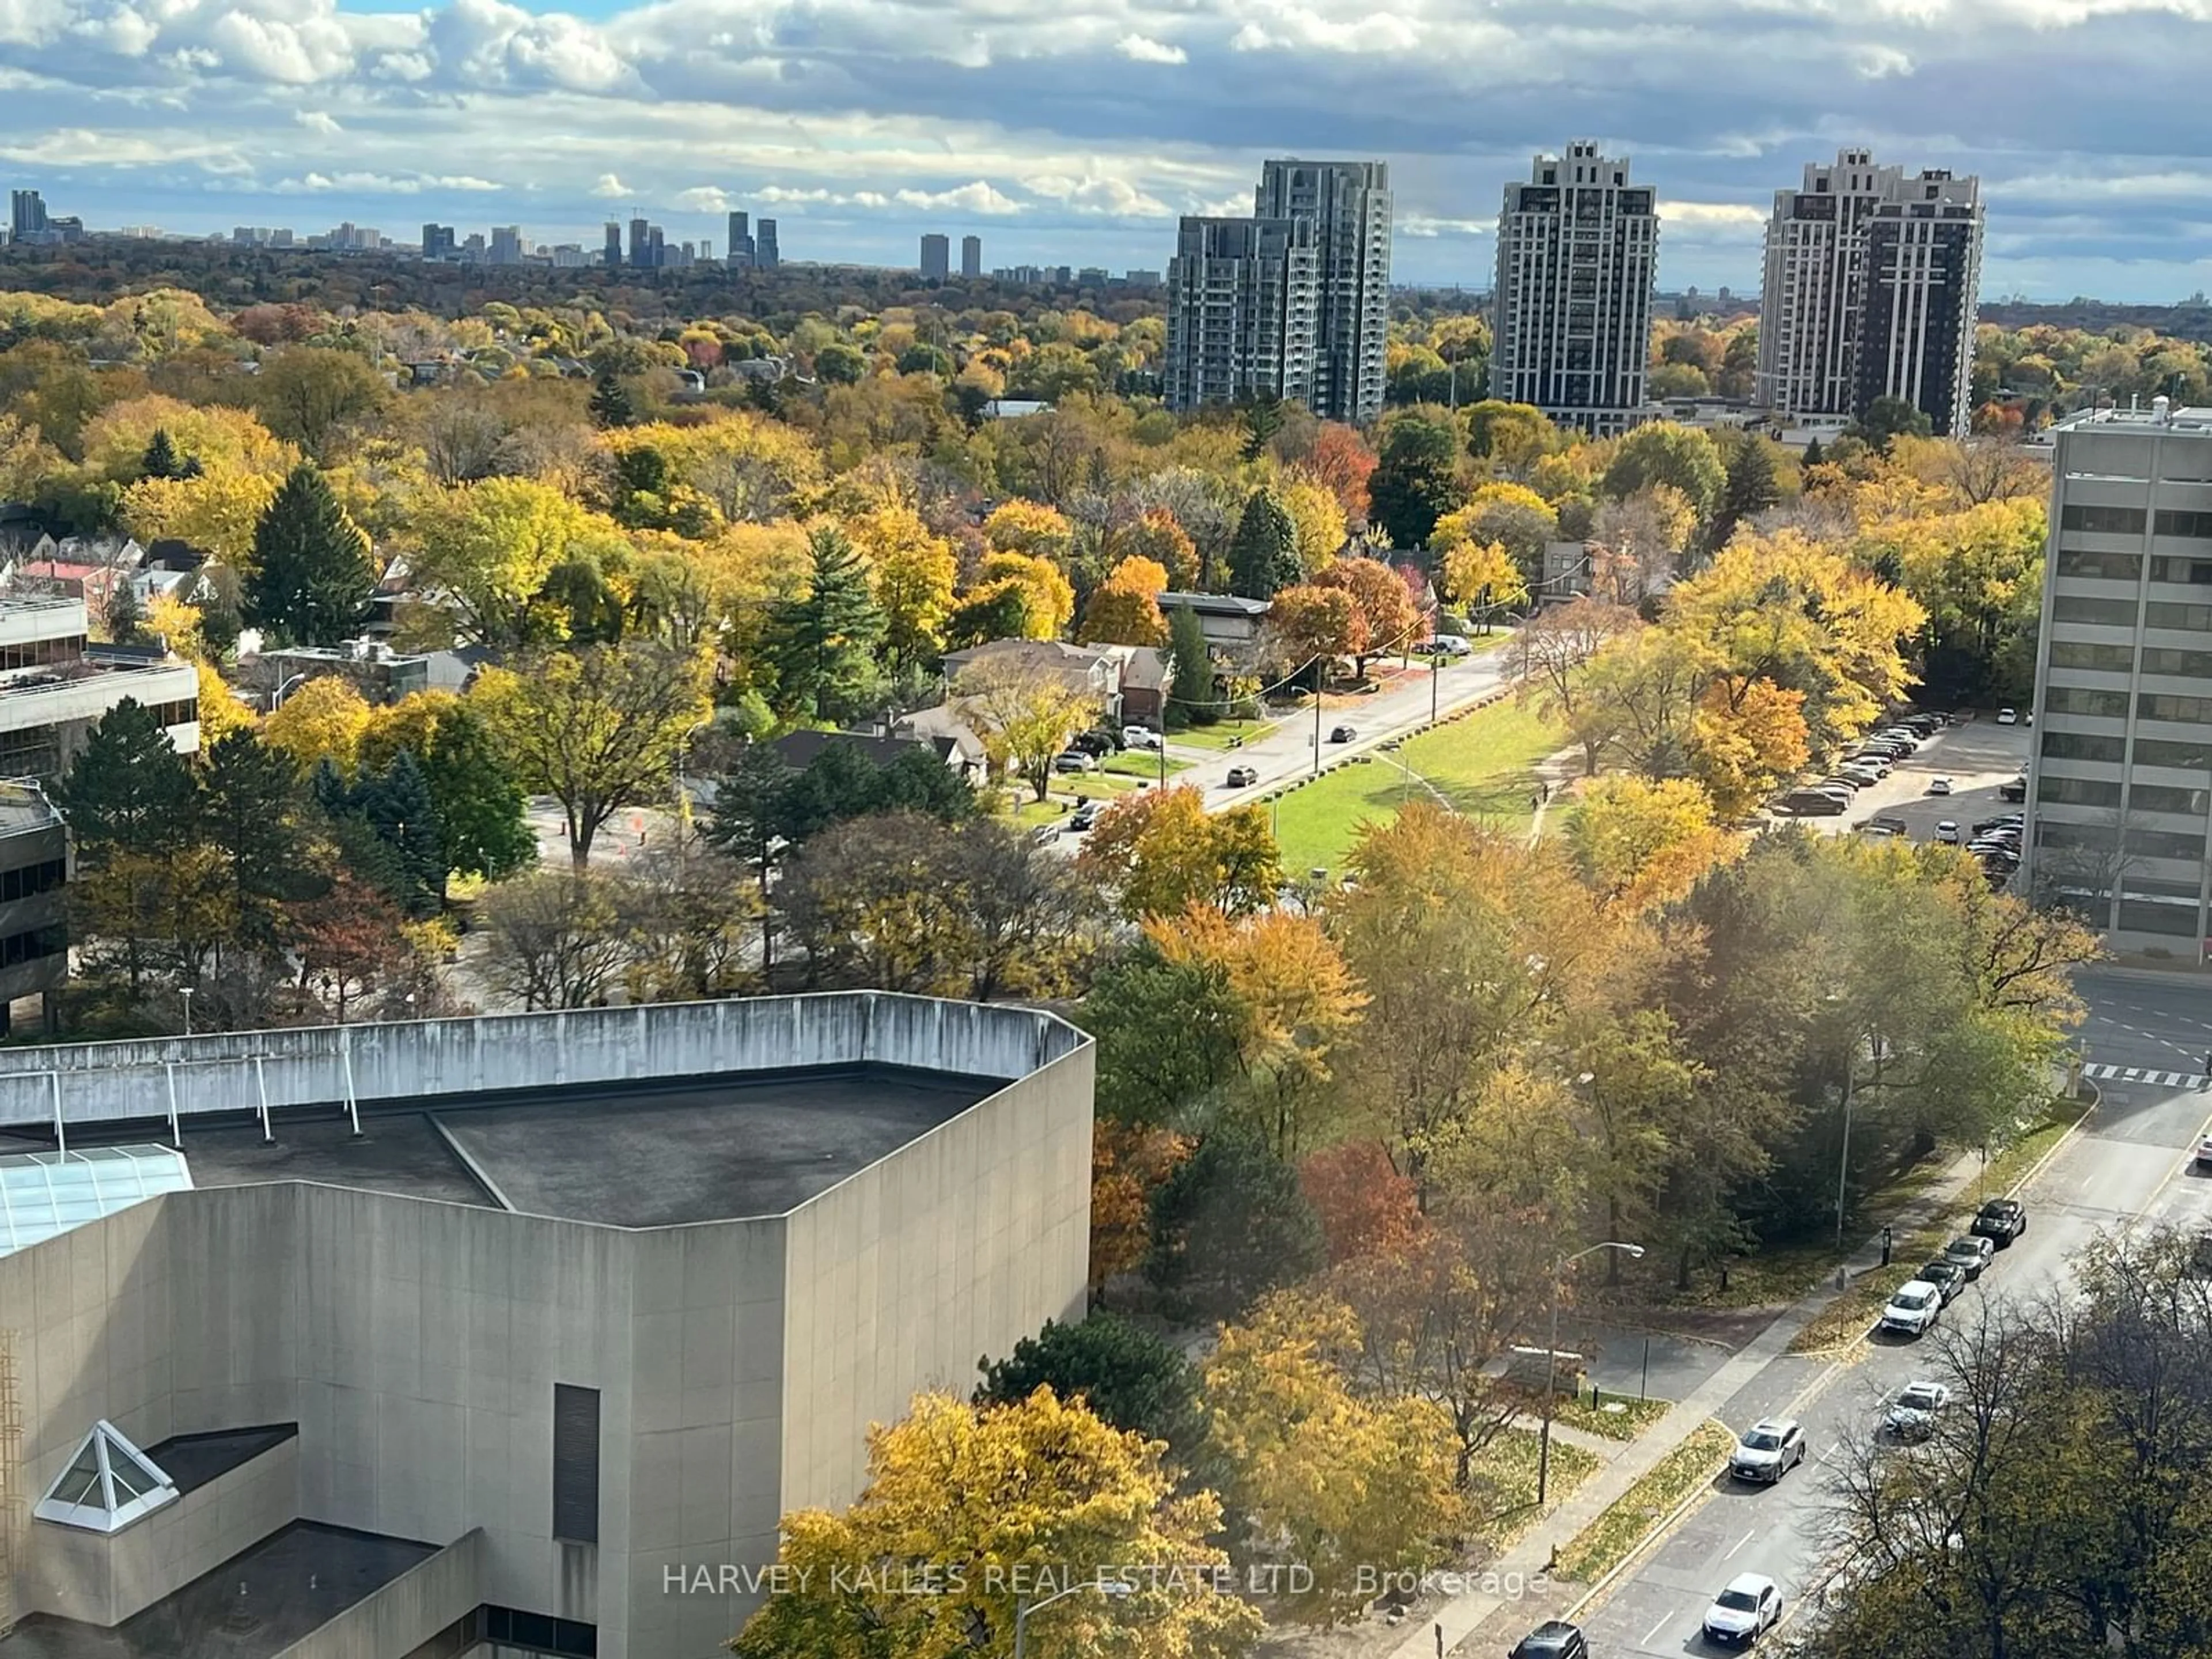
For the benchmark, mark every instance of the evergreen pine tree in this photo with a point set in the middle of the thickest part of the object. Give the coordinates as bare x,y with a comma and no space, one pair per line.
161,460
1749,489
1263,556
312,577
611,404
128,790
126,617
481,807
824,646
396,805
1813,455
249,810
1190,694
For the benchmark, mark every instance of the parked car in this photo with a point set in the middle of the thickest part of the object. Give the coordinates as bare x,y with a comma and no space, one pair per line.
1044,833
1083,818
1554,1639
2016,790
1094,744
1242,777
1916,1306
2203,1158
1891,822
1972,1253
1445,645
1939,786
1768,1451
1812,803
1074,760
1140,737
2011,821
1947,833
1875,762
1947,1277
2007,717
1342,734
1865,776
2001,1221
1749,1607
1913,1415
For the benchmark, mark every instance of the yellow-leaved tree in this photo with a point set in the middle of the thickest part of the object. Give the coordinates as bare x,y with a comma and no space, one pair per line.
1642,842
910,572
1125,609
322,720
1031,527
1048,598
1318,519
1336,1482
972,1512
1160,851
1024,714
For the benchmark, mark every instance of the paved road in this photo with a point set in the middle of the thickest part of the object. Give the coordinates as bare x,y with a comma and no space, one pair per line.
2129,1164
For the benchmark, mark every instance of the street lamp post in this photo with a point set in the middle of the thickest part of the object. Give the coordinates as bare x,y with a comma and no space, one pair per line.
1551,1358
1109,1587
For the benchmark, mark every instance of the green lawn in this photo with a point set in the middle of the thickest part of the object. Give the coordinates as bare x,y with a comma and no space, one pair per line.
1138,764
1219,736
1483,764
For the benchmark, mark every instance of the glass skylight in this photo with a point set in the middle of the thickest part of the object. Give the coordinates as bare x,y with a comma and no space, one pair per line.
109,1484
43,1194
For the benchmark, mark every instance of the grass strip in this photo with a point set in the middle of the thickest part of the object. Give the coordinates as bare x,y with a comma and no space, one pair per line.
1613,1536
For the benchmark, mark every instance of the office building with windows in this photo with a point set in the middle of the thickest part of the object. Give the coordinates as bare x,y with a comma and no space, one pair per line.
2119,796
936,258
741,242
1577,247
1348,205
55,685
1241,312
1923,277
971,257
766,253
508,1335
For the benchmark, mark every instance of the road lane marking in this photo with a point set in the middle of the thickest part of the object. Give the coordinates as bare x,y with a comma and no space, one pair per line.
1665,1619
1740,1543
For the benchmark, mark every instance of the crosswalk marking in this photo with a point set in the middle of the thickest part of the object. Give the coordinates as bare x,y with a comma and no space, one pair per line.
2141,1074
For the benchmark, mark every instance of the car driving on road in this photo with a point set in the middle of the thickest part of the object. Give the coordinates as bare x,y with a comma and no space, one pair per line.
1745,1611
1917,1305
2001,1221
1972,1253
1769,1451
1242,777
1554,1639
1342,734
1913,1415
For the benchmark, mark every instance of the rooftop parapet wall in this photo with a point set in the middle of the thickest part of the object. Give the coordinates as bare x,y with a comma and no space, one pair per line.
106,1083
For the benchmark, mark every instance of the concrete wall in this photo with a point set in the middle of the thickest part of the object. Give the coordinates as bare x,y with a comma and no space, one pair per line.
406,1613
230,1072
104,1581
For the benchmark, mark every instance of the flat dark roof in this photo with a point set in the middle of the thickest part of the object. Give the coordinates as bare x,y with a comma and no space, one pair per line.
295,1581
193,1460
704,1149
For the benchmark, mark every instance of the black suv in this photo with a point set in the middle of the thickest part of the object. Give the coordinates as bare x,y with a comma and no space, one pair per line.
1554,1639
2001,1221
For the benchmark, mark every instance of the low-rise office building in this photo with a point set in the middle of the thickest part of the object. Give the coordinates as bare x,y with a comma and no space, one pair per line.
35,875
505,1335
55,685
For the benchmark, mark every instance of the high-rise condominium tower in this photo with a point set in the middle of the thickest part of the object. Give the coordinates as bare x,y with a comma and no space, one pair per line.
741,241
1348,205
1241,311
936,258
1869,291
971,256
766,254
1577,247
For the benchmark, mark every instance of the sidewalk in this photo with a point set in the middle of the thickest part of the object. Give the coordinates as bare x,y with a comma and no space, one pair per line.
1464,1615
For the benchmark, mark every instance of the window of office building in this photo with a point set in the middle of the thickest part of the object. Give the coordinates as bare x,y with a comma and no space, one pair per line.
33,879
2103,520
2196,525
2189,756
2100,613
2171,660
2079,745
2166,706
2080,791
2110,567
2150,917
2105,659
575,1464
2079,700
540,1633
33,752
2195,571
2165,844
34,946
2163,798
2076,837
2160,613
41,653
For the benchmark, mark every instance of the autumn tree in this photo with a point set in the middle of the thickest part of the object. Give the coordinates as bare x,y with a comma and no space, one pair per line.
345,940
1128,1164
1129,1378
130,800
599,729
911,573
1365,1207
1340,462
485,552
1160,851
1415,480
1662,452
1309,627
1263,554
1317,518
1125,609
686,916
1026,714
553,938
1644,843
310,395
324,719
312,574
1551,651
1388,620
1482,576
1042,1485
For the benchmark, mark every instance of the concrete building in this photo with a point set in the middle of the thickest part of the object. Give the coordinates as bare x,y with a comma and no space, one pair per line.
611,253
1923,275
27,215
501,1336
766,253
54,687
2120,782
936,258
1816,283
1348,205
740,256
971,257
34,873
506,245
1241,312
1578,246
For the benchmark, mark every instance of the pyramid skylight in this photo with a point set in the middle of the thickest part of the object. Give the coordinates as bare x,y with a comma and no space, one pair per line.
109,1484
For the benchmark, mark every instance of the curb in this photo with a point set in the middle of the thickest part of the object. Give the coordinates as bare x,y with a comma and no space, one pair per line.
1836,1362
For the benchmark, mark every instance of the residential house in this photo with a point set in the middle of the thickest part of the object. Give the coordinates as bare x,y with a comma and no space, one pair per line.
1146,675
959,744
1230,623
1088,670
799,750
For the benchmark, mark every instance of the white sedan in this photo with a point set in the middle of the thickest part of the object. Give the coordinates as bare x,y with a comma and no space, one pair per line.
1749,1607
1947,833
2007,717
1914,1414
1939,786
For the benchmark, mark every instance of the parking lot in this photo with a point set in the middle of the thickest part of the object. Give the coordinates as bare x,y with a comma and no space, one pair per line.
1977,756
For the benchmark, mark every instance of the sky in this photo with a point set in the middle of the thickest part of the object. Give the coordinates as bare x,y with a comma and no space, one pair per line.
1074,132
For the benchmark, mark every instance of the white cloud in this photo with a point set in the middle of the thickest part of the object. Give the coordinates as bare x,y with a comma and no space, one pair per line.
317,120
610,188
1876,62
1422,225
378,183
1719,218
976,197
1092,194
1143,49
704,198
